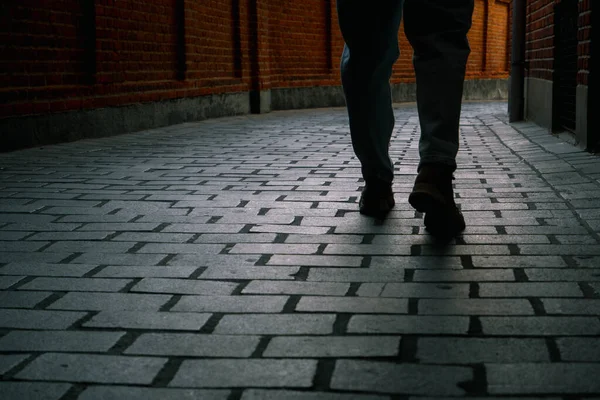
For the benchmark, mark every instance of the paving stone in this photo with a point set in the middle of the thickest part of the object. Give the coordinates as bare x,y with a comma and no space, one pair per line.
315,260
352,305
479,350
38,319
92,368
21,299
85,246
231,304
33,390
518,261
193,345
183,286
475,307
250,273
284,324
470,275
415,262
333,346
383,378
8,281
530,289
355,275
273,248
9,361
568,275
110,301
76,284
243,373
119,259
538,378
579,349
409,324
572,306
287,287
130,271
540,326
63,341
145,393
43,269
179,321
426,290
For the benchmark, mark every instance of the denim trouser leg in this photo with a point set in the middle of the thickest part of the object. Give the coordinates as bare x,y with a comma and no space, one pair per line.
437,31
370,30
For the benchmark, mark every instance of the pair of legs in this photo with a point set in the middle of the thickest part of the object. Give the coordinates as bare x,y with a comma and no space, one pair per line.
437,31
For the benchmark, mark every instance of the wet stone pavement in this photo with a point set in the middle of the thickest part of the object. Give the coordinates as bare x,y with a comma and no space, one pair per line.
226,259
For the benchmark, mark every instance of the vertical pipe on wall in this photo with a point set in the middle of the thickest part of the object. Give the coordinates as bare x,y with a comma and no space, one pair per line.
516,97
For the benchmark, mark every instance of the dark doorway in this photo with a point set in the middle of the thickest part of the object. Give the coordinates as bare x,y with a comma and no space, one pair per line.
592,117
565,64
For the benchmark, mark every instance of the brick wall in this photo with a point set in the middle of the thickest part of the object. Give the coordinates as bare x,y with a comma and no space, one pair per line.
540,39
61,55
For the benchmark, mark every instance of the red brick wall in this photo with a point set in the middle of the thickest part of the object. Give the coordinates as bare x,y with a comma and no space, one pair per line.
540,39
58,55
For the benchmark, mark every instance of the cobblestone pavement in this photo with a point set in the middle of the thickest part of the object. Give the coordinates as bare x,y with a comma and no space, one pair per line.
226,259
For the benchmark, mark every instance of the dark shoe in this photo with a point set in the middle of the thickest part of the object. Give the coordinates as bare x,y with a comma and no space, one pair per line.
376,200
434,196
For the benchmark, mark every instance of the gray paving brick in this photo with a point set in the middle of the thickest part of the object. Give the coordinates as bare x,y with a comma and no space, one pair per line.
315,260
119,259
115,225
297,287
203,228
8,281
183,286
44,269
296,238
273,248
261,394
236,238
572,306
65,341
353,305
178,248
285,324
383,378
426,290
92,368
290,229
207,260
177,321
479,350
530,289
586,261
9,361
76,284
243,373
367,249
231,304
542,378
130,271
21,299
518,261
355,275
145,393
38,319
85,246
579,349
409,324
561,249
540,326
415,262
33,390
194,345
152,237
110,301
14,246
475,307
249,273
567,275
470,275
333,346
7,235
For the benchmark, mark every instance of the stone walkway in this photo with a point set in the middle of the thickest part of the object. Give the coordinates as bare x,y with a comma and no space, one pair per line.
226,259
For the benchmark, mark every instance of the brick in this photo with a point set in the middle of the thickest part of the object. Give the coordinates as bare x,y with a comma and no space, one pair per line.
119,259
383,378
110,301
426,290
9,361
530,289
540,326
249,273
193,345
572,306
293,324
367,249
518,261
264,248
183,286
34,390
579,349
480,350
352,305
131,271
92,368
244,373
475,307
261,394
89,247
231,304
296,287
408,324
65,341
332,346
21,299
148,320
145,393
38,319
542,378
470,275
315,260
76,284
43,269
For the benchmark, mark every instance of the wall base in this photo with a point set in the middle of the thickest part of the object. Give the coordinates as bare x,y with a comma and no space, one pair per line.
538,102
581,118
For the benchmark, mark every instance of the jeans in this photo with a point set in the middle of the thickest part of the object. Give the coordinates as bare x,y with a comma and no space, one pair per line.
437,31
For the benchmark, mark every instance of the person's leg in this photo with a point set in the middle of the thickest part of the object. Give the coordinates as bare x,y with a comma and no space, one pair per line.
437,30
370,32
